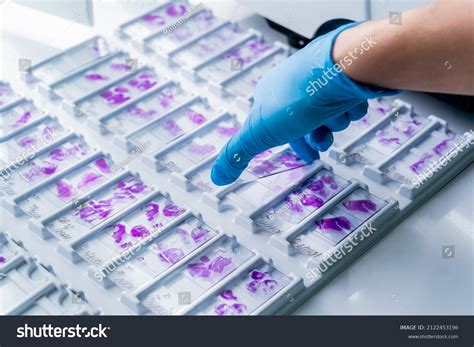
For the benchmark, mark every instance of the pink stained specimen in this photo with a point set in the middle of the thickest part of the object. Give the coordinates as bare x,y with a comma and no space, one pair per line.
219,263
199,234
166,98
152,210
264,167
225,310
131,185
440,147
227,294
3,260
334,224
389,140
64,190
103,165
139,231
171,210
419,164
289,160
154,19
170,126
176,10
57,154
95,77
201,150
119,232
171,255
27,141
257,275
138,111
49,169
227,131
291,202
311,200
363,205
89,179
206,268
25,118
316,186
120,67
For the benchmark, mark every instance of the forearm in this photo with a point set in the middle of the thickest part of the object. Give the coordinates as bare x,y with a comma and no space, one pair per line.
432,50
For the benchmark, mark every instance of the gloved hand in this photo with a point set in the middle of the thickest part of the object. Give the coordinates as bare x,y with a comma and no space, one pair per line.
301,101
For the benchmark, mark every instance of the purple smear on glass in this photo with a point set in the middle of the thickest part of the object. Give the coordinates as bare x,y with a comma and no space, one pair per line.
199,269
316,186
137,111
134,187
106,94
176,10
118,99
170,126
152,211
3,260
119,232
102,164
139,231
121,89
95,77
64,190
57,154
294,206
218,264
334,224
311,200
221,309
360,205
166,98
264,167
195,117
418,165
22,120
239,308
89,179
49,169
389,140
154,18
171,210
440,147
172,255
257,275
289,160
201,150
205,259
199,234
27,141
227,295
269,284
252,286
227,131
120,67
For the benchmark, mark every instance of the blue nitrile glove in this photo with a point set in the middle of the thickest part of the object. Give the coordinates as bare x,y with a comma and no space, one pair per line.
301,101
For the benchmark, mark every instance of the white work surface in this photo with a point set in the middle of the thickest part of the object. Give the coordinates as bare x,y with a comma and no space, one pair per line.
404,273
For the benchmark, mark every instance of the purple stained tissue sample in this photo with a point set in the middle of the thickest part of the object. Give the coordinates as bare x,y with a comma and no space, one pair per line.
195,117
95,77
311,200
261,281
64,190
25,118
171,255
201,150
420,163
363,205
340,223
227,131
205,267
171,210
199,234
441,147
89,179
103,165
154,19
26,141
140,112
3,260
176,10
230,306
172,127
